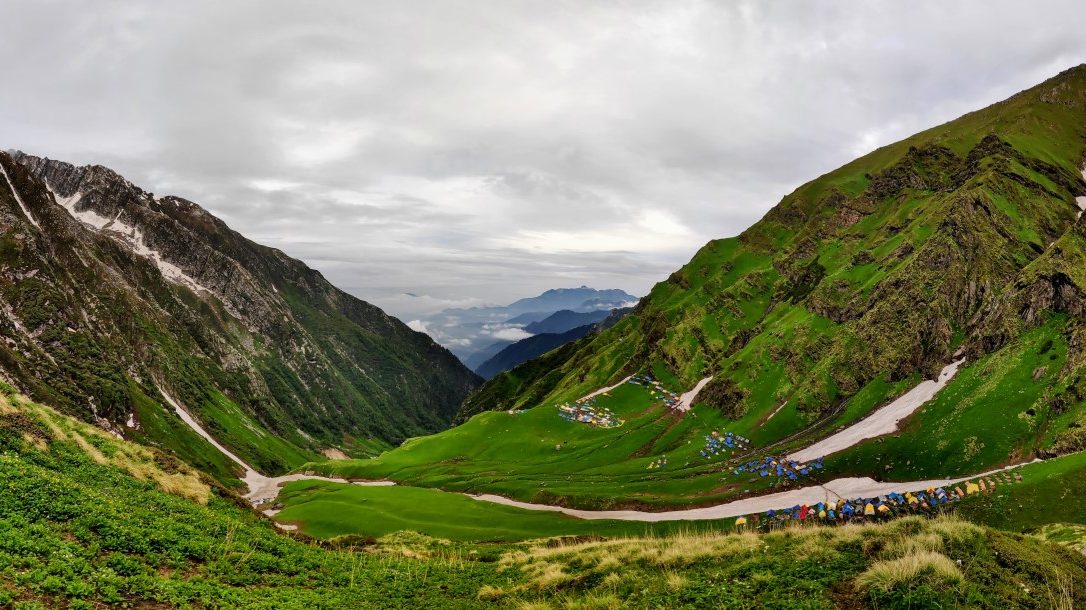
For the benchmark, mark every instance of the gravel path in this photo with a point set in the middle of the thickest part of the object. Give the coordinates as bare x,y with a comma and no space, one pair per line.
261,488
848,488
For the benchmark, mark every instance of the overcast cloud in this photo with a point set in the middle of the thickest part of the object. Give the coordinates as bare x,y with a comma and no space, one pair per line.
471,152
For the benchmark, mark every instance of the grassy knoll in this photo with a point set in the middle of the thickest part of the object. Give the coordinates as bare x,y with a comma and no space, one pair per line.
908,563
1050,492
88,521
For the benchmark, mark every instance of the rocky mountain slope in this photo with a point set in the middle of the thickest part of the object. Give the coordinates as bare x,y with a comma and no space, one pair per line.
957,242
116,301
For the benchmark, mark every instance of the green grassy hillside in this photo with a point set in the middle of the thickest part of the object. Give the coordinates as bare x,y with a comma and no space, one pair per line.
960,242
960,238
89,521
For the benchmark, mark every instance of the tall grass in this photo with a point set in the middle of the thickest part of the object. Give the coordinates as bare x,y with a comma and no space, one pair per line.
918,567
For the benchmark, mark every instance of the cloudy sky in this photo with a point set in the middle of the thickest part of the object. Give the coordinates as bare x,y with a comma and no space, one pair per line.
480,151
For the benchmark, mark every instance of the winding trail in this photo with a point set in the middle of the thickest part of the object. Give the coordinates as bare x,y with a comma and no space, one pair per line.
847,488
261,488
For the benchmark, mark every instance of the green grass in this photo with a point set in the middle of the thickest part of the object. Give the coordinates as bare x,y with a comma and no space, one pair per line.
993,412
80,533
250,439
1053,491
329,510
516,456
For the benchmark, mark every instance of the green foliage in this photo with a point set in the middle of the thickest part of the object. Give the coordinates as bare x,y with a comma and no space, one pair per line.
76,533
959,240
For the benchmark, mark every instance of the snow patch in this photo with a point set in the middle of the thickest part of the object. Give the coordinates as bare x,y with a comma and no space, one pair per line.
134,237
687,400
882,421
19,199
1081,201
607,389
87,217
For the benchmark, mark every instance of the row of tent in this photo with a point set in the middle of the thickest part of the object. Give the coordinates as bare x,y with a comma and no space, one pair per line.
659,463
857,509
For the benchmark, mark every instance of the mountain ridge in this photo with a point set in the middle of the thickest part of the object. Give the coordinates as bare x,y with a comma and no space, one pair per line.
247,338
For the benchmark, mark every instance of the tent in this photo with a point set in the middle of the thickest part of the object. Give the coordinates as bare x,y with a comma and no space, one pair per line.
869,509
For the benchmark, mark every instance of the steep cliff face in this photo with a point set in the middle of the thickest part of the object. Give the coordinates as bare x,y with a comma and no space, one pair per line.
954,241
113,296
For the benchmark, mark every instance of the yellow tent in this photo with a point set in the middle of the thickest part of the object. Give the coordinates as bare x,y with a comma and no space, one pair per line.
869,509
884,509
740,521
971,488
821,514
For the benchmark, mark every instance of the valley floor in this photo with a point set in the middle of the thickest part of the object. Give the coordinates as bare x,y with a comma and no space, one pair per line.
89,521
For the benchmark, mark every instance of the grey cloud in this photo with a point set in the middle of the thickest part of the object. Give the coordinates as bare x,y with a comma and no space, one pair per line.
476,152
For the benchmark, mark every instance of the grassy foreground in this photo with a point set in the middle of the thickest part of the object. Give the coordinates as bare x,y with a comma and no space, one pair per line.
88,521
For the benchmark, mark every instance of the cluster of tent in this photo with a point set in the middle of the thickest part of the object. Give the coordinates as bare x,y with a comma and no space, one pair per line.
892,504
657,389
781,467
660,463
717,445
586,412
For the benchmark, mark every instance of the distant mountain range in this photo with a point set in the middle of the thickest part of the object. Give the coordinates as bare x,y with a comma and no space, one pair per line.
476,334
554,331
